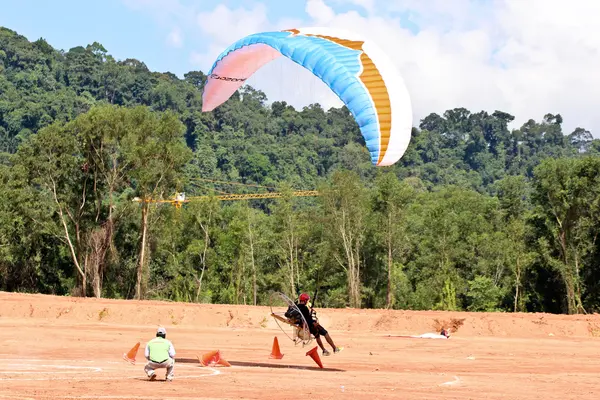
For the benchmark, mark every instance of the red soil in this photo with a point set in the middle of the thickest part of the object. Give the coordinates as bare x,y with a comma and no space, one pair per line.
67,348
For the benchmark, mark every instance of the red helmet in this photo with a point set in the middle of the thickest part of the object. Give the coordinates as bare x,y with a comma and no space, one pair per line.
304,297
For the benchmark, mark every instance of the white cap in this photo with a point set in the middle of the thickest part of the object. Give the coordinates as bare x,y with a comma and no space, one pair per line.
161,330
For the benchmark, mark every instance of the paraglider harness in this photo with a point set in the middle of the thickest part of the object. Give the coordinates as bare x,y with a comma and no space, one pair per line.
294,315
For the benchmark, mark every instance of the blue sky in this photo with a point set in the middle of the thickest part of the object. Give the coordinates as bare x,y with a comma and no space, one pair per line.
128,29
123,31
525,57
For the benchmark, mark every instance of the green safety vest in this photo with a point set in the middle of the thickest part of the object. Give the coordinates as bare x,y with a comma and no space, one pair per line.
159,349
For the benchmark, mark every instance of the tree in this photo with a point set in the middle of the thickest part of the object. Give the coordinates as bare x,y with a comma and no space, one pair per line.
206,214
516,246
52,161
519,256
566,198
157,153
101,131
449,229
289,230
346,203
390,202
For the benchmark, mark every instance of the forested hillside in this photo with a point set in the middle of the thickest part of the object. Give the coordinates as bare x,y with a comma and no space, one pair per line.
474,216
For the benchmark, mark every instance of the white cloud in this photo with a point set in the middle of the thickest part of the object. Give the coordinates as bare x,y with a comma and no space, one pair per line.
527,58
320,12
163,11
229,25
175,38
223,26
368,5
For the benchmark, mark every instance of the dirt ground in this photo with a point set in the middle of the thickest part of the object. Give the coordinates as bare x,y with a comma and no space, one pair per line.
67,348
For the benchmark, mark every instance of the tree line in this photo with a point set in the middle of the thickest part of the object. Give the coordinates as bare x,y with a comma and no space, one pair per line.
474,217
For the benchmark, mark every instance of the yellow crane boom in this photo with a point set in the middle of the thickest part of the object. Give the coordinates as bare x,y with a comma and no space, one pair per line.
271,195
180,198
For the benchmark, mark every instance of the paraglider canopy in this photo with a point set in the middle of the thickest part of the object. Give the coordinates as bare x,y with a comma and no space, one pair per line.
355,69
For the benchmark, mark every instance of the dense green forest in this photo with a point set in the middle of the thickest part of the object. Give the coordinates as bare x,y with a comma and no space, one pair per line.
474,217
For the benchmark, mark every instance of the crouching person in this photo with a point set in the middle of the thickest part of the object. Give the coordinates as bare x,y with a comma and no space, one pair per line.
160,353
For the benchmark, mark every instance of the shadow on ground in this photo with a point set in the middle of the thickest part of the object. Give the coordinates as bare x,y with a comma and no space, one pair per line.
261,365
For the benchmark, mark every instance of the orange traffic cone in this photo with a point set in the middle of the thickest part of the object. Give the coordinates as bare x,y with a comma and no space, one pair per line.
223,362
131,354
275,352
314,354
209,358
213,358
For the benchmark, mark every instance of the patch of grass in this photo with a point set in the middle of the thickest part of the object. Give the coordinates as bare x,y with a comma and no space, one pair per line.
263,323
594,329
63,311
102,314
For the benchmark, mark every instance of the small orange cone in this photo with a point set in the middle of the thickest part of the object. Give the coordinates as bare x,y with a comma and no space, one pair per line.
209,358
131,354
213,358
223,362
314,354
275,352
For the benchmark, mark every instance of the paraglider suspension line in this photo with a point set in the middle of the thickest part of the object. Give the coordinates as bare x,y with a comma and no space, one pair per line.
226,78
